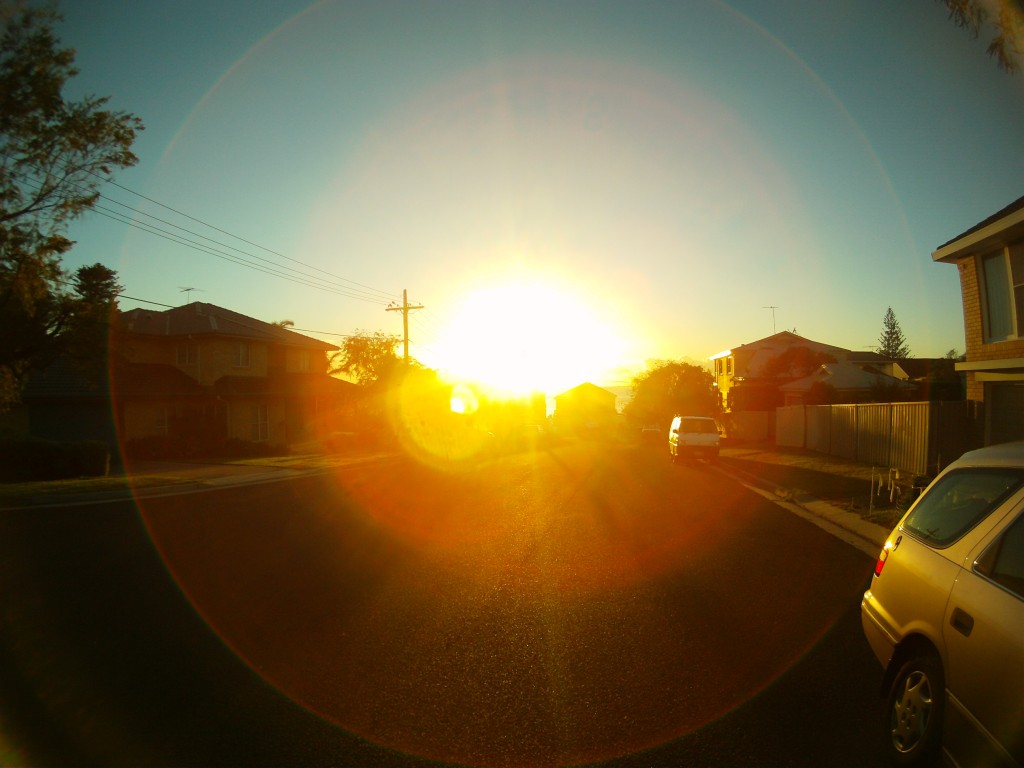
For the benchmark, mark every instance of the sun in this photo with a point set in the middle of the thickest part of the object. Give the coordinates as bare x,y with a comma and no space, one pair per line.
520,336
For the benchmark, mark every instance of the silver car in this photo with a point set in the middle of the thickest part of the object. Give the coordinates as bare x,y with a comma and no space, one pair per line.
945,616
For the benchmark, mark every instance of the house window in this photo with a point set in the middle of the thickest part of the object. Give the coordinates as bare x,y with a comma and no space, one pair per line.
728,366
188,354
241,355
304,361
260,424
1003,292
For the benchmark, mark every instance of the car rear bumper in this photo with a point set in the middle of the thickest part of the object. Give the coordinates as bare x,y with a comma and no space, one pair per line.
877,630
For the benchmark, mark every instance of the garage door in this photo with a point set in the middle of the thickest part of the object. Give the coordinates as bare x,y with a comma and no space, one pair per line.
1005,403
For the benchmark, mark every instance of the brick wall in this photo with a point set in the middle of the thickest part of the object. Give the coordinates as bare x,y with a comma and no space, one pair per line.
977,349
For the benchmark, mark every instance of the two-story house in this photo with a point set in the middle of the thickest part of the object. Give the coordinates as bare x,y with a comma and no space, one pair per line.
990,259
201,371
745,368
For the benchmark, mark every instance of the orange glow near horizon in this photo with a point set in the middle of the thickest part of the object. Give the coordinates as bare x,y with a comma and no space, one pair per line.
521,336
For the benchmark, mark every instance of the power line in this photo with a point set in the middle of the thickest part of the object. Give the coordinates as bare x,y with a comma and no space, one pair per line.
237,237
174,237
202,248
371,295
303,330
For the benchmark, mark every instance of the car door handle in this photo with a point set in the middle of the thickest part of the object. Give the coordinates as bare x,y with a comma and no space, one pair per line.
962,622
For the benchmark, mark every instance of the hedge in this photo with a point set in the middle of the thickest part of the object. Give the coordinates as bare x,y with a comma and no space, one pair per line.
34,459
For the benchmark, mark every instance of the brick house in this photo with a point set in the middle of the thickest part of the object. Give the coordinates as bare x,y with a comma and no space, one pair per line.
990,259
202,370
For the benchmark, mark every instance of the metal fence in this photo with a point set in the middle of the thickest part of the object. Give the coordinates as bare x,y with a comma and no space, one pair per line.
919,438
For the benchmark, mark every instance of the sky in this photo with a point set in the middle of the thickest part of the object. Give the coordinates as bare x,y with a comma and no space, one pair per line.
565,190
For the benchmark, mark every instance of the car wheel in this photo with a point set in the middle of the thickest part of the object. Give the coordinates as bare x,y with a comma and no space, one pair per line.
914,714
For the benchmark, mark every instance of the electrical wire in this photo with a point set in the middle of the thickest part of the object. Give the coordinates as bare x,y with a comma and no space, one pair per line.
386,294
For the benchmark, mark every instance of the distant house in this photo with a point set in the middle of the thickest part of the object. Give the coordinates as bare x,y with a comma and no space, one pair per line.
742,377
750,377
585,408
990,259
197,375
849,383
259,382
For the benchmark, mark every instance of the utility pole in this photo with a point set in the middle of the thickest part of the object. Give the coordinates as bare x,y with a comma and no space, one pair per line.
404,309
773,317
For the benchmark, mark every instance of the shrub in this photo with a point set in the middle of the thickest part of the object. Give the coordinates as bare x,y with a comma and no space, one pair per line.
33,459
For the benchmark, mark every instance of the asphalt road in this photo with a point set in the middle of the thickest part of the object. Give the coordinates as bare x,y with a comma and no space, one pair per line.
587,605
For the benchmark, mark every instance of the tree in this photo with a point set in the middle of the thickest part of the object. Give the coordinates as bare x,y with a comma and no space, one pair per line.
795,362
1006,44
668,388
821,393
367,358
891,343
54,156
92,312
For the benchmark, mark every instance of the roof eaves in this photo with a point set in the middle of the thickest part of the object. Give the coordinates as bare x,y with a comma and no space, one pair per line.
1005,223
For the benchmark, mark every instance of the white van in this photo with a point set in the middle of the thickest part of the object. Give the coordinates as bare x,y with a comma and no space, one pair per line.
693,436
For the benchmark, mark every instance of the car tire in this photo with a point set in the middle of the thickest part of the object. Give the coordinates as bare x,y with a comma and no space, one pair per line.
914,712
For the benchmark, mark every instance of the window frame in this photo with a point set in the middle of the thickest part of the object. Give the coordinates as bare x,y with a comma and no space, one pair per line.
1002,293
986,565
260,423
186,354
241,355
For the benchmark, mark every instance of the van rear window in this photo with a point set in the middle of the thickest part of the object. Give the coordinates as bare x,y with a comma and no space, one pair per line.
700,426
959,501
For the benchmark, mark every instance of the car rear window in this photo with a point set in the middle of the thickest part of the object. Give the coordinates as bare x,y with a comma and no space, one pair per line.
958,501
702,426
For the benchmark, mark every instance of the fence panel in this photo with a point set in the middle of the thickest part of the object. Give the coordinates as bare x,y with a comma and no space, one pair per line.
919,438
956,427
818,431
789,426
844,431
910,436
874,433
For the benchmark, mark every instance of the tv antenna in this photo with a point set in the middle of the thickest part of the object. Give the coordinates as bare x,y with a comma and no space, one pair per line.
188,292
772,308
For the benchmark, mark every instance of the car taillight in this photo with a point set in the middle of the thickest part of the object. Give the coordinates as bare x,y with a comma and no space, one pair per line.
882,557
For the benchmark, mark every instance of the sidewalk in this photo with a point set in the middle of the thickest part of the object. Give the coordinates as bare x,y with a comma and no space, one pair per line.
827,490
161,478
824,489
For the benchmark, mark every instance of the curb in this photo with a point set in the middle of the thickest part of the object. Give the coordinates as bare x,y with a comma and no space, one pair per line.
847,526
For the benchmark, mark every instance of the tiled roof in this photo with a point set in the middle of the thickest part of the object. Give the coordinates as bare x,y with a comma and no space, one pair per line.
586,389
155,381
1016,205
285,385
63,379
845,376
202,319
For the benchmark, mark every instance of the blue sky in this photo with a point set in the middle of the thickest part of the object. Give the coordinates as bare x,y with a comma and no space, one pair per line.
569,189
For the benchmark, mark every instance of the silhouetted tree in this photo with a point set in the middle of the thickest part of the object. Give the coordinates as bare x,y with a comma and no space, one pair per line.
367,358
1008,25
794,363
93,309
821,393
668,388
892,344
54,155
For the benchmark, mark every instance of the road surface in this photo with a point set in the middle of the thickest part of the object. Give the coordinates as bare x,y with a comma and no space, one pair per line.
591,604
